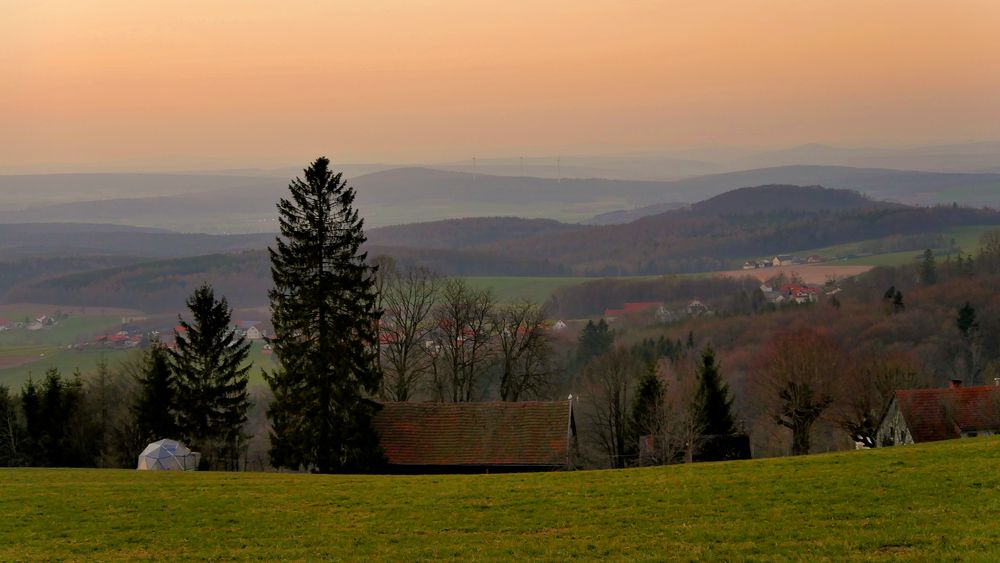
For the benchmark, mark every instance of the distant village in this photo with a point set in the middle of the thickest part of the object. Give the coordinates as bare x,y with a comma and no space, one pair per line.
131,334
792,260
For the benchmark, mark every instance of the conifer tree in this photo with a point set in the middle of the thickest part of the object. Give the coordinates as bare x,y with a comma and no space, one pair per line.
966,320
712,404
928,268
155,407
325,317
647,411
595,340
211,380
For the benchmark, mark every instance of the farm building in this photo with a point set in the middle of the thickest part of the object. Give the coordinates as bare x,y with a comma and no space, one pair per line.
487,437
928,415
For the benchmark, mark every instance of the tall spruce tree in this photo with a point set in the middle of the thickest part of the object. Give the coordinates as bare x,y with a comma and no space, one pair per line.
712,404
594,341
928,268
157,403
325,315
211,380
648,408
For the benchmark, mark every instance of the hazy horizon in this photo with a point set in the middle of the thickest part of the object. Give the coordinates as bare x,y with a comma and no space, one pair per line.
188,86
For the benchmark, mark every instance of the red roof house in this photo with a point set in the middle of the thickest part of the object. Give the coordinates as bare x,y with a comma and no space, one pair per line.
928,415
477,437
633,308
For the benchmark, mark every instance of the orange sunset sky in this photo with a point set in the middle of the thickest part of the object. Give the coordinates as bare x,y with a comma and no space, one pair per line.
253,83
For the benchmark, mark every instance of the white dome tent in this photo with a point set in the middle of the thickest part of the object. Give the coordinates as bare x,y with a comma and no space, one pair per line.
168,455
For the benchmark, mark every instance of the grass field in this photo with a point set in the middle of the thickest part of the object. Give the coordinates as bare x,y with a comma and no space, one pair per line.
24,353
917,503
965,238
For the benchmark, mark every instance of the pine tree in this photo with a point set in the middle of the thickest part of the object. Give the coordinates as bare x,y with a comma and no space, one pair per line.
155,407
897,302
712,404
211,380
325,317
966,320
648,409
595,340
928,268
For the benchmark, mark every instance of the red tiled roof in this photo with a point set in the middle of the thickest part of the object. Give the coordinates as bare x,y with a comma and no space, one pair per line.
942,414
642,306
614,312
475,434
796,289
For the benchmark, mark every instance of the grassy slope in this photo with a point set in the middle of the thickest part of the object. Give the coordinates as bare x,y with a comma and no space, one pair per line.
966,239
928,502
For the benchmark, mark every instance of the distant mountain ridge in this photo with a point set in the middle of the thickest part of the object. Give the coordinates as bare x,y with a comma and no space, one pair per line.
414,194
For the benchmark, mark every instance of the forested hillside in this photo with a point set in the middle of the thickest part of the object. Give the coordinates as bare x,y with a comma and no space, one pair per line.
690,241
244,277
49,240
465,233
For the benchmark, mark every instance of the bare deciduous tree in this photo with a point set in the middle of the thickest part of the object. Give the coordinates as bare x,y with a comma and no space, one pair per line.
462,350
10,429
407,299
525,350
799,371
612,380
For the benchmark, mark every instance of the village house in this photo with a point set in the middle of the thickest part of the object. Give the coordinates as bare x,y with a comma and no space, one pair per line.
491,437
252,330
799,293
783,260
928,415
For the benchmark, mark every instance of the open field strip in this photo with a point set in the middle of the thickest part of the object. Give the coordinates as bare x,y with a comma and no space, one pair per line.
917,503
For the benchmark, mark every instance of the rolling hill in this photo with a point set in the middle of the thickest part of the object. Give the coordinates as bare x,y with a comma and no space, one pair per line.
908,187
717,234
48,240
406,195
465,233
389,197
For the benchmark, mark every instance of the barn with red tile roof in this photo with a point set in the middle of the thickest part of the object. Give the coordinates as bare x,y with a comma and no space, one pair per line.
477,437
928,415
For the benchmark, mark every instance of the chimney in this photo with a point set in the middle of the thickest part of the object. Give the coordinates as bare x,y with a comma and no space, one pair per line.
955,384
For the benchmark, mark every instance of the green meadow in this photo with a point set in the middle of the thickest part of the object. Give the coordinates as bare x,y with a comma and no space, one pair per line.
916,503
965,239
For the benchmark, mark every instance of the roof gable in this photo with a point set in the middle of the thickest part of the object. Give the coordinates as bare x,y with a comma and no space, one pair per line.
535,433
943,414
